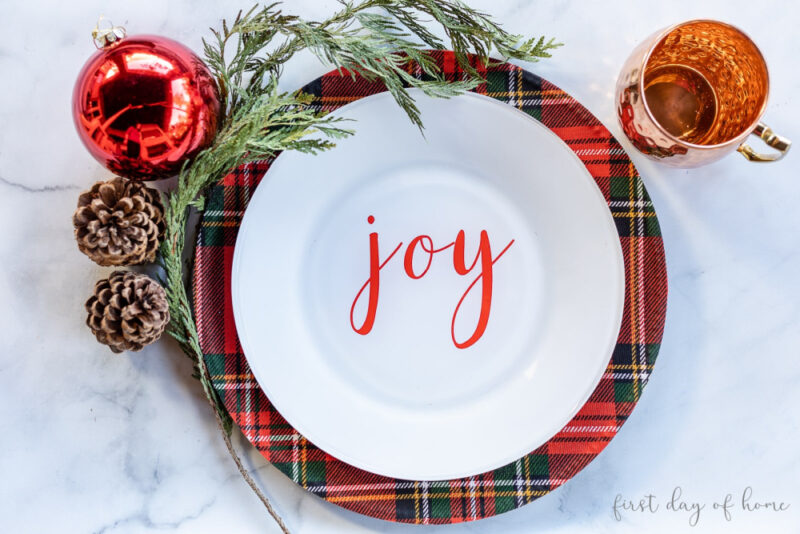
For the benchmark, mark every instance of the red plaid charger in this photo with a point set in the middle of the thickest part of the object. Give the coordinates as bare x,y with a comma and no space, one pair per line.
526,479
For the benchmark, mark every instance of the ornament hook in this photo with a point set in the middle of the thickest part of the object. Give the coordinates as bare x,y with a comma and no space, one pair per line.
108,35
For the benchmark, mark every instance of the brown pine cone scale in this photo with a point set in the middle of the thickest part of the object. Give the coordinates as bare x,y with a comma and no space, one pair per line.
127,311
119,222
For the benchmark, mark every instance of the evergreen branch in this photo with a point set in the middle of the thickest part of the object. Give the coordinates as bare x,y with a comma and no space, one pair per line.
259,129
375,39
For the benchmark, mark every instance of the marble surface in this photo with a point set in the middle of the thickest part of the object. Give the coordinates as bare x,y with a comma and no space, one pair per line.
93,442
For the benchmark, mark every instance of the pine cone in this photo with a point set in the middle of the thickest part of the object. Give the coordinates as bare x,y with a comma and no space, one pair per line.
119,222
127,311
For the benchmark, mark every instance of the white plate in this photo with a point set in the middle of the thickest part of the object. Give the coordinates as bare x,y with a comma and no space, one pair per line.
403,400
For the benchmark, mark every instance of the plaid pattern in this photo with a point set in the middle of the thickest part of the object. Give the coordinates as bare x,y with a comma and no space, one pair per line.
531,476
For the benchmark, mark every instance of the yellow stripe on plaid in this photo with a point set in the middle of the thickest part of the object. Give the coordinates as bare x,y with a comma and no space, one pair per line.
526,469
449,495
417,514
632,261
635,214
243,376
303,461
543,92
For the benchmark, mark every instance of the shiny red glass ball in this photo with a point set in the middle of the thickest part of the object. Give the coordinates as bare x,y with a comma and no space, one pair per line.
145,105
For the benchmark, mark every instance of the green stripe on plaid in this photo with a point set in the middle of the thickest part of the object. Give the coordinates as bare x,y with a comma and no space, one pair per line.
519,482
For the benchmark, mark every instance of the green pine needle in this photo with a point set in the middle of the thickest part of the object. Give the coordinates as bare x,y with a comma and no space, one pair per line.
376,39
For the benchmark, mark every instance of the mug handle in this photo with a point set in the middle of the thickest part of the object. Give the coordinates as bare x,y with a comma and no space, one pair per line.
765,133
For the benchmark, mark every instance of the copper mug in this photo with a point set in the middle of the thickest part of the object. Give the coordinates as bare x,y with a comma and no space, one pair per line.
693,92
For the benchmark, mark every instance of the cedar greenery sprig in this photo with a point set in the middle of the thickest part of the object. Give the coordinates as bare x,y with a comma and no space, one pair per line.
375,39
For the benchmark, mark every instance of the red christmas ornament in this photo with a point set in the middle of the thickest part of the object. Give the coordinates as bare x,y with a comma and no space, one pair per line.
144,105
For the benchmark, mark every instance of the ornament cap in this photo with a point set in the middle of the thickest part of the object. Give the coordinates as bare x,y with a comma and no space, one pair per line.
106,35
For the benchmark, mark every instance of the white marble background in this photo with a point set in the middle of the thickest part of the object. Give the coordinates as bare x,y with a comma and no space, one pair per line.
97,443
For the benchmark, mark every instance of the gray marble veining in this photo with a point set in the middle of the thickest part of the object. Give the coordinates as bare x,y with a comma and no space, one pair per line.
100,443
